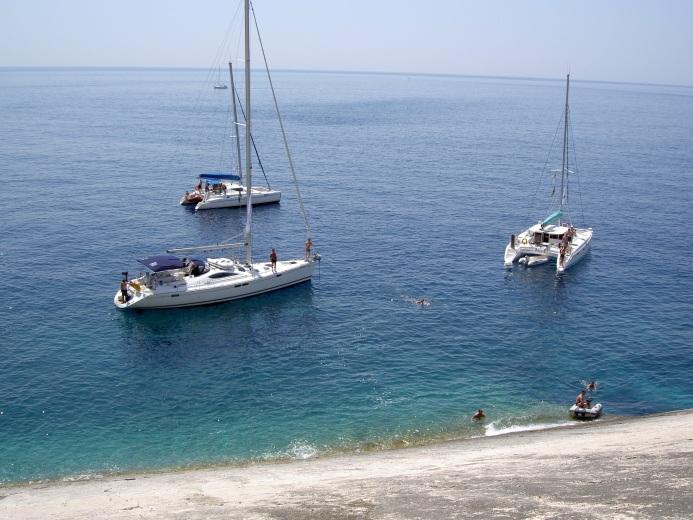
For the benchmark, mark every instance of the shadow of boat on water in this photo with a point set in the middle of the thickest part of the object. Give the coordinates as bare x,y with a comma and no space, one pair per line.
230,325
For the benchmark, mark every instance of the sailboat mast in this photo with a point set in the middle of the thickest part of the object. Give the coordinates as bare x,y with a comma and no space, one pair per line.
564,167
236,128
248,156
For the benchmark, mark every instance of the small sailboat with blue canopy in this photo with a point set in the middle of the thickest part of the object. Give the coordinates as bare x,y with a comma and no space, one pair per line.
227,190
553,237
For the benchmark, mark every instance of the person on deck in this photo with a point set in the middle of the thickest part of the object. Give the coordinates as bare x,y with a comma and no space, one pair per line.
273,260
309,248
124,290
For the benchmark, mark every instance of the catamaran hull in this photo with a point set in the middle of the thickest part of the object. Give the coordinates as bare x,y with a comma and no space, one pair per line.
288,273
574,257
535,254
232,200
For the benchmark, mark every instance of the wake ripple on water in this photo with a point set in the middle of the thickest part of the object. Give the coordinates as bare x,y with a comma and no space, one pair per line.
493,429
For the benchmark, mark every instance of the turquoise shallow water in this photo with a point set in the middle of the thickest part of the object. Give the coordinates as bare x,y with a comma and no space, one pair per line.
413,184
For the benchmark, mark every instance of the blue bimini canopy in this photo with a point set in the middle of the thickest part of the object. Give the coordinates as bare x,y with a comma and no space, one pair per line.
553,217
219,177
162,262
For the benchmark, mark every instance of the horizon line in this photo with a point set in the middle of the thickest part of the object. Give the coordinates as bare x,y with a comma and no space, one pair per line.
337,71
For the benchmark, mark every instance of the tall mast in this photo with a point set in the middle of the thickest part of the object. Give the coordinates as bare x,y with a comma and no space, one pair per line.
236,126
564,167
248,157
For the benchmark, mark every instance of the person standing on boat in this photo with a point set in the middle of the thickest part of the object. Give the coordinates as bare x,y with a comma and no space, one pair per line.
273,260
124,289
309,248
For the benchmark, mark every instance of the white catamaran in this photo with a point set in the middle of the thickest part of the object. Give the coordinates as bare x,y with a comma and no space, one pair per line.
226,190
554,237
184,282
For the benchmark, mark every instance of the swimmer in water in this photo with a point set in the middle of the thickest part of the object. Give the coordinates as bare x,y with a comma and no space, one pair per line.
423,302
478,415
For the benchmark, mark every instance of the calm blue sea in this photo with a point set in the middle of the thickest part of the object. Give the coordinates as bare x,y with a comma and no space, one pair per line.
413,184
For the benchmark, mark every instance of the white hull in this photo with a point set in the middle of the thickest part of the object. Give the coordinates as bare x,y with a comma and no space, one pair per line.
534,253
577,253
233,199
213,287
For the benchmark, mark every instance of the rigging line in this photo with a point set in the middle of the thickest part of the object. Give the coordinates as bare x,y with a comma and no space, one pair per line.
565,204
224,48
204,86
224,137
577,172
543,171
225,43
231,239
252,139
281,125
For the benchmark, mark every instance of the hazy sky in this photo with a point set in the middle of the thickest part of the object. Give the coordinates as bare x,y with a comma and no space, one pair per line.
620,40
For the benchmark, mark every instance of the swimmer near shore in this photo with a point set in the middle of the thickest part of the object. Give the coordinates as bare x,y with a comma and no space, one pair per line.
478,415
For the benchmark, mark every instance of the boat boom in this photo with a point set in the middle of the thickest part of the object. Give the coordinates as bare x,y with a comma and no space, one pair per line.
213,247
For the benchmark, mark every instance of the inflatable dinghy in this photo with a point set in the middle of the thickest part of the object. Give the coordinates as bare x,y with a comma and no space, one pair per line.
586,413
531,261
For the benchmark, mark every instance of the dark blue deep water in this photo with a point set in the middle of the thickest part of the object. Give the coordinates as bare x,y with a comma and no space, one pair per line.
413,184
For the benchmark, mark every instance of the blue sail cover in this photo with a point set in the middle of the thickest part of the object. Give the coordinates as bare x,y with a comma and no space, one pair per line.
553,217
162,262
219,177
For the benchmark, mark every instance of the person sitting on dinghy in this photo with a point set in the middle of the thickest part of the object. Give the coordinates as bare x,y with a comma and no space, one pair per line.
581,401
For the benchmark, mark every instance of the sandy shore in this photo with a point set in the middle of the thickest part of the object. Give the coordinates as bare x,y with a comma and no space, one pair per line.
633,468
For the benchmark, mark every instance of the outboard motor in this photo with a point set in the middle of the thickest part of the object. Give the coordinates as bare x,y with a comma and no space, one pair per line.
512,241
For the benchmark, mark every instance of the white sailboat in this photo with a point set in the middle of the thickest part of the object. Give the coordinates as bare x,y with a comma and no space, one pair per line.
226,190
219,85
183,282
554,237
